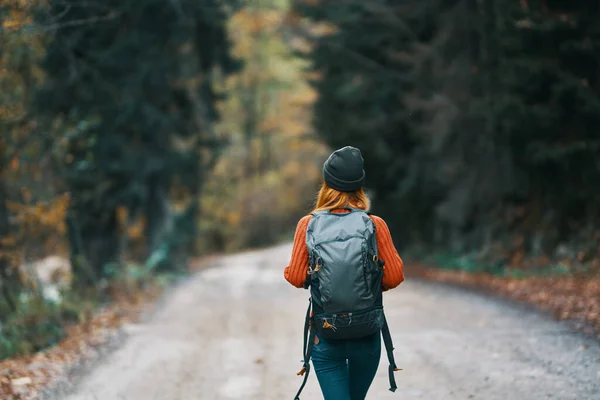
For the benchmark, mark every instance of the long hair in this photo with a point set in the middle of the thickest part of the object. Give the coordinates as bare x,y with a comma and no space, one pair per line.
330,199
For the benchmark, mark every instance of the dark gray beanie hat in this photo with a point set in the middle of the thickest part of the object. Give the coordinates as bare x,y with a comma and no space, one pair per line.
343,170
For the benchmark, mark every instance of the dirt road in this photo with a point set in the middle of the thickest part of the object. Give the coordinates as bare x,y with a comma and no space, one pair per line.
234,332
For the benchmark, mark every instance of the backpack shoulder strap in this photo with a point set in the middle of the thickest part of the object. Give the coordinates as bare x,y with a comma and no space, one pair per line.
307,347
375,255
389,348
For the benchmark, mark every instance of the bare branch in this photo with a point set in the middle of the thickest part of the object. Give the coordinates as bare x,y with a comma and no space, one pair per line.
38,29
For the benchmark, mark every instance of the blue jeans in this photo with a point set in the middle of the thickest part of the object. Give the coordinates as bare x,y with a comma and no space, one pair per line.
346,369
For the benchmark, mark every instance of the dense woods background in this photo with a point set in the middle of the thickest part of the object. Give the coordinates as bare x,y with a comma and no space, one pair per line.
135,135
478,120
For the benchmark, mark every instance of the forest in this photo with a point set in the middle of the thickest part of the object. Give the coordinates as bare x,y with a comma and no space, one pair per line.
479,119
136,137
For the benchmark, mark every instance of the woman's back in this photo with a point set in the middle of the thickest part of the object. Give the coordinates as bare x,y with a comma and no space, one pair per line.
393,274
347,261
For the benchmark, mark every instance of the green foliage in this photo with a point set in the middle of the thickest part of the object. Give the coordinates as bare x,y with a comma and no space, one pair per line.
478,120
37,325
554,270
111,109
140,104
132,278
471,263
452,261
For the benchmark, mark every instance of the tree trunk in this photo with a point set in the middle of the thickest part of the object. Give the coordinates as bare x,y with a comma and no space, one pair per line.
158,219
94,242
9,282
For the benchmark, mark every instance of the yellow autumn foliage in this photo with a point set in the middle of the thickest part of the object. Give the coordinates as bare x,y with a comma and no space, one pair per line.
37,209
40,223
270,173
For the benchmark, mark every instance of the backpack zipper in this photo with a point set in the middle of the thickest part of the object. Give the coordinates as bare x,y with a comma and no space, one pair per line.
338,240
365,262
355,313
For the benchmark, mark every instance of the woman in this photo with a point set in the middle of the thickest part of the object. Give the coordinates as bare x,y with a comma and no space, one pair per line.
345,369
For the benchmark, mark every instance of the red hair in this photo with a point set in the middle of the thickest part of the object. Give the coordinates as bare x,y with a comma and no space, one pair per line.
331,199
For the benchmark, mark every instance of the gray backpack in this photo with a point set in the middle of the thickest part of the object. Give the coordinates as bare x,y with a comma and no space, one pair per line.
344,276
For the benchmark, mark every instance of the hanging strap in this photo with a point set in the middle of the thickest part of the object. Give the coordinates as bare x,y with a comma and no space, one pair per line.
307,348
389,348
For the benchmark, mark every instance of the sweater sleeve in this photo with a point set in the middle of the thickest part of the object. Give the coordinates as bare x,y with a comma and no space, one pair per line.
295,272
393,274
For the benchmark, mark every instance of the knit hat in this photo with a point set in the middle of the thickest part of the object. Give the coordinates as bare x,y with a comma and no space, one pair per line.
343,170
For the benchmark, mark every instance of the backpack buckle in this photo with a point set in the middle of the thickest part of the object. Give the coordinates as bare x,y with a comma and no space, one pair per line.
317,267
313,270
327,325
375,258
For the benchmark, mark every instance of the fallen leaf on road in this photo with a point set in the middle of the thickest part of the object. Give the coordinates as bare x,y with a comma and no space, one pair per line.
574,298
21,381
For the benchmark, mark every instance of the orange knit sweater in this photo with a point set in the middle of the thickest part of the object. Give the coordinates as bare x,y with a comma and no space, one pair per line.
393,274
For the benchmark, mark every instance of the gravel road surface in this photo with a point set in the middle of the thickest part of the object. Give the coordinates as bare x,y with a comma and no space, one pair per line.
235,332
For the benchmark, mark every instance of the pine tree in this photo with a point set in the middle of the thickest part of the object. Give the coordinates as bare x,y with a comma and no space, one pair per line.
467,112
551,113
117,86
362,76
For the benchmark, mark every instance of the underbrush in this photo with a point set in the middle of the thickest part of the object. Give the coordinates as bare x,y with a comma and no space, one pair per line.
40,323
471,263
